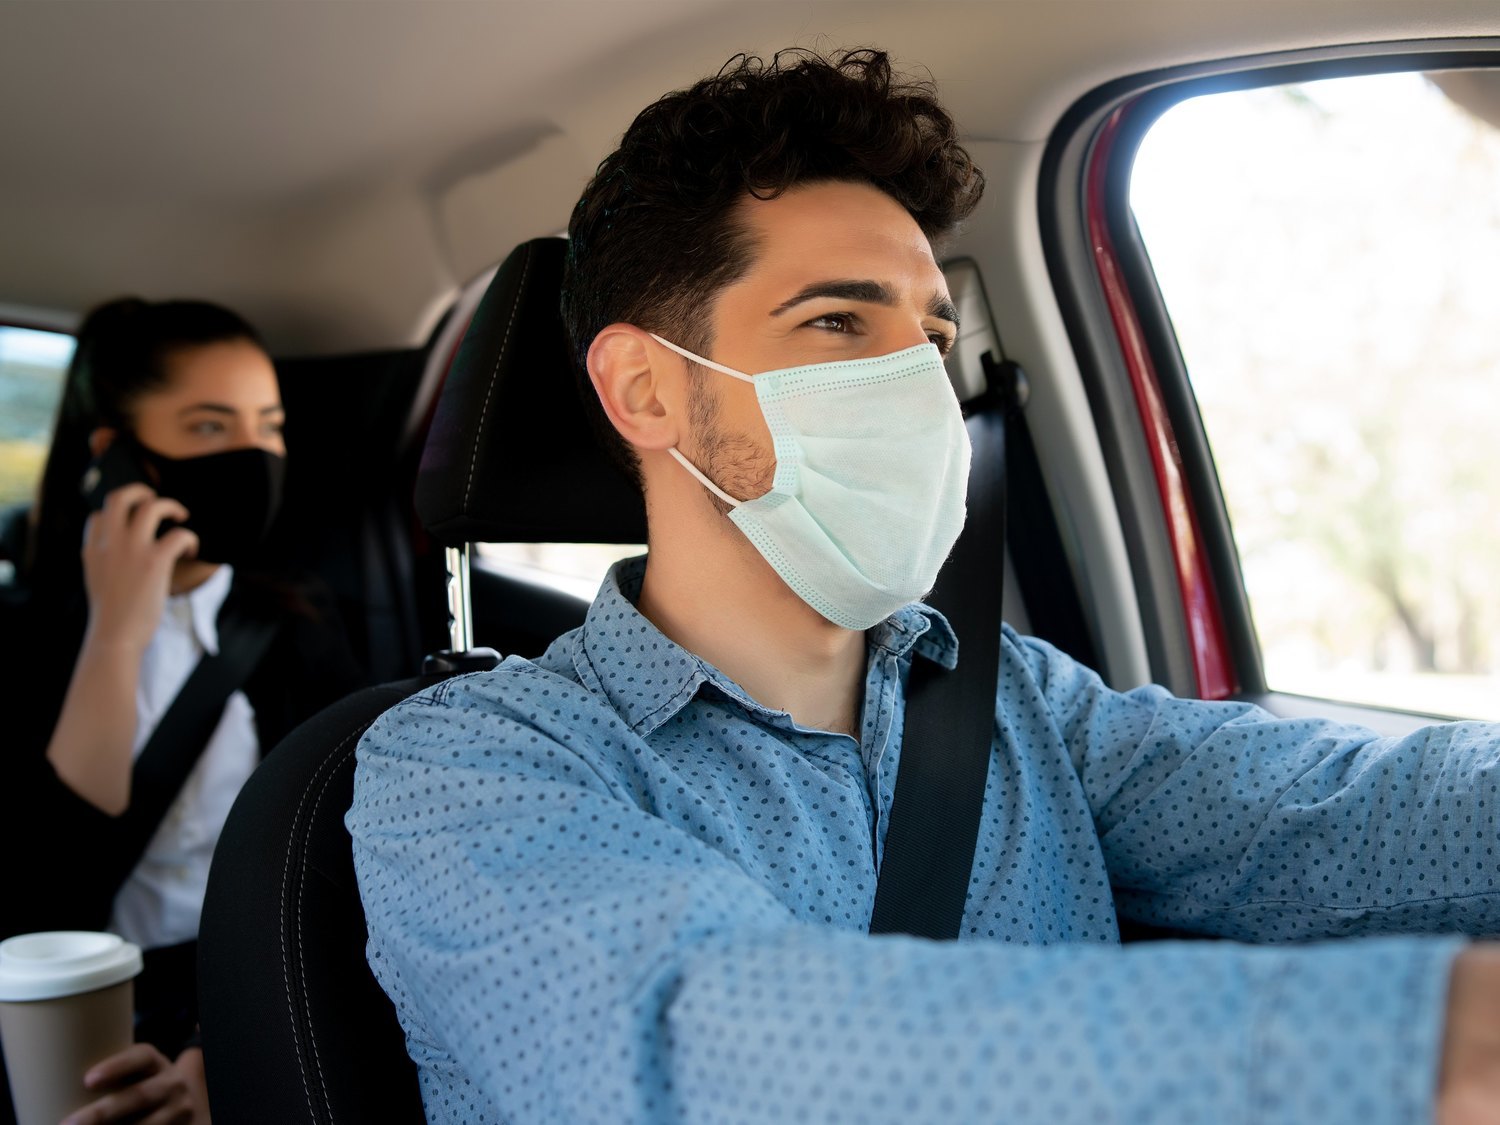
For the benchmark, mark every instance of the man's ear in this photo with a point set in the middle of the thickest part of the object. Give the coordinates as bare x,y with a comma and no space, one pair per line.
100,440
637,396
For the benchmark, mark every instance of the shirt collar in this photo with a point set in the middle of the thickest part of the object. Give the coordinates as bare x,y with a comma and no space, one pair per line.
204,602
917,628
648,678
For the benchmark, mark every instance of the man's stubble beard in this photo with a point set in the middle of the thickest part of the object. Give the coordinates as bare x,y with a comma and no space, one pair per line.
733,461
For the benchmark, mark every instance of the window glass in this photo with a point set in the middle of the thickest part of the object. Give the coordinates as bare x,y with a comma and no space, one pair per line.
1330,257
32,366
574,568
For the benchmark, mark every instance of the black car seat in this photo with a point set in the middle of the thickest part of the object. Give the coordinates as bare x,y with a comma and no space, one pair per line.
295,1028
346,509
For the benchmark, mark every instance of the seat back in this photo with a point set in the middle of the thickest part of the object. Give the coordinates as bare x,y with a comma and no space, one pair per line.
295,1027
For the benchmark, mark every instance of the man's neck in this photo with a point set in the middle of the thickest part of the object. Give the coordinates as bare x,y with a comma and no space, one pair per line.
721,601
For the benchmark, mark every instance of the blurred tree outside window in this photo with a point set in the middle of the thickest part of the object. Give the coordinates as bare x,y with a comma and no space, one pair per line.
1329,254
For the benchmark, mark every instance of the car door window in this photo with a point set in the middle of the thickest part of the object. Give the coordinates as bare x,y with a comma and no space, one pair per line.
33,365
1329,254
572,568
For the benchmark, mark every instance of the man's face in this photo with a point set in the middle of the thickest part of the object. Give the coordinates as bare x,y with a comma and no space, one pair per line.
840,271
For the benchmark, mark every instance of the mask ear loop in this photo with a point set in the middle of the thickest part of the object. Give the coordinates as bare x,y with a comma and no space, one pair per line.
703,480
719,367
681,460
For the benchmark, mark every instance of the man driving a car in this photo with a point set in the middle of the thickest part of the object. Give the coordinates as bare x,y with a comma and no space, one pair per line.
633,880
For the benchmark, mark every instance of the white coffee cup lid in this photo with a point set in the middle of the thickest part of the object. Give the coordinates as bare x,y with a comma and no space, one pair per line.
64,963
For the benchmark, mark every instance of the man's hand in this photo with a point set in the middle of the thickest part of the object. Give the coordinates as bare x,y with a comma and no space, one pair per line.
1469,1086
140,1085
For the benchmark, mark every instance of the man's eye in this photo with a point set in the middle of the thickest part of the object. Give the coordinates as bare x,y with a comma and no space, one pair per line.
943,341
207,427
833,322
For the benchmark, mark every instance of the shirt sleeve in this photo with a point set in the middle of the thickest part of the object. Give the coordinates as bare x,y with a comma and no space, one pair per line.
62,885
558,953
1220,818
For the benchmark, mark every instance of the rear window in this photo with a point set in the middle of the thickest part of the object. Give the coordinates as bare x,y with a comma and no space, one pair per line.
33,364
573,568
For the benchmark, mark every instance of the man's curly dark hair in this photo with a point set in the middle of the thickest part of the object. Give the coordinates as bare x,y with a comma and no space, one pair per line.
654,238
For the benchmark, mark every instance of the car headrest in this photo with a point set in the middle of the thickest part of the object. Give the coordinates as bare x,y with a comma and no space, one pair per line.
510,456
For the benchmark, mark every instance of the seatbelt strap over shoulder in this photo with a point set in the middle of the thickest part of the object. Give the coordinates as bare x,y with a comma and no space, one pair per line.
928,858
183,733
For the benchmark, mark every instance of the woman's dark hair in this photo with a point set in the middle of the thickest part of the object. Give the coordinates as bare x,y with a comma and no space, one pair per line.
123,351
653,239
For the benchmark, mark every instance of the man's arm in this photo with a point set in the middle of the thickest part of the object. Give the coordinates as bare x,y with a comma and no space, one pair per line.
577,958
1220,818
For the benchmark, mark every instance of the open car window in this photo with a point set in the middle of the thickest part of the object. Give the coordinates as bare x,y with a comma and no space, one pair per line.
1328,253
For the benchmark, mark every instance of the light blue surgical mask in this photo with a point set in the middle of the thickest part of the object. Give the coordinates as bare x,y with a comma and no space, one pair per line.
872,468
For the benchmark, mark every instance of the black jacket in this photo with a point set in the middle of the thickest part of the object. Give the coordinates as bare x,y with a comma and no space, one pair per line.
52,837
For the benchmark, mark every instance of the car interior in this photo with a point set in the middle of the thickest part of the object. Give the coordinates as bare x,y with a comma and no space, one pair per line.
381,188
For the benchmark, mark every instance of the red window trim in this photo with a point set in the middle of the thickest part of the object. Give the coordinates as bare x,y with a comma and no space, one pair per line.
1213,667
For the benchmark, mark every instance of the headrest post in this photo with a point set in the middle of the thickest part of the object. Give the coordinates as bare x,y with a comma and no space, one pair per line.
460,606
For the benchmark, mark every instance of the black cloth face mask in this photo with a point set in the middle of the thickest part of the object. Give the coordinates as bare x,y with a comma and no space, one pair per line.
232,498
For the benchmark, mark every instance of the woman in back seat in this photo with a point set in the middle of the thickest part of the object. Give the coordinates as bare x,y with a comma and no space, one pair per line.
166,467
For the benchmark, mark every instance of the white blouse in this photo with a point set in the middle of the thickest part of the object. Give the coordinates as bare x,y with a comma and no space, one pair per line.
160,902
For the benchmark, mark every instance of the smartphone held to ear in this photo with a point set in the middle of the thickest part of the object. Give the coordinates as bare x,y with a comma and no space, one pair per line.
116,467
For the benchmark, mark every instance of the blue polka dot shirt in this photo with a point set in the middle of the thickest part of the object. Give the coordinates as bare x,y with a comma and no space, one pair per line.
608,886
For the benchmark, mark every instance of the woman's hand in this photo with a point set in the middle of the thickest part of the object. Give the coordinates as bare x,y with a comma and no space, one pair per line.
127,570
140,1085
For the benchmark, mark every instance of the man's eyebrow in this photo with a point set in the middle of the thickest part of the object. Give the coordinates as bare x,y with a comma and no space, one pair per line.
943,309
869,292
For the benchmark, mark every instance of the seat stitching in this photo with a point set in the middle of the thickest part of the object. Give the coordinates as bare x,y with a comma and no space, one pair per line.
490,390
286,871
301,964
285,959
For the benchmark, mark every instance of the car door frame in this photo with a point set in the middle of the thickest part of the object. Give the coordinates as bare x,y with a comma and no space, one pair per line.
1190,594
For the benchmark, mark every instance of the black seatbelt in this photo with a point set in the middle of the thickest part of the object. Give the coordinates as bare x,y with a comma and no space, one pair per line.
950,716
180,737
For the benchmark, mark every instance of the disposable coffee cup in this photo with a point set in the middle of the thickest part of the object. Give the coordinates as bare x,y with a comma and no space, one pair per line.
66,1003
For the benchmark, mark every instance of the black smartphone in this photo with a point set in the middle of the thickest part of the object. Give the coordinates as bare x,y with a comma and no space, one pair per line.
117,467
